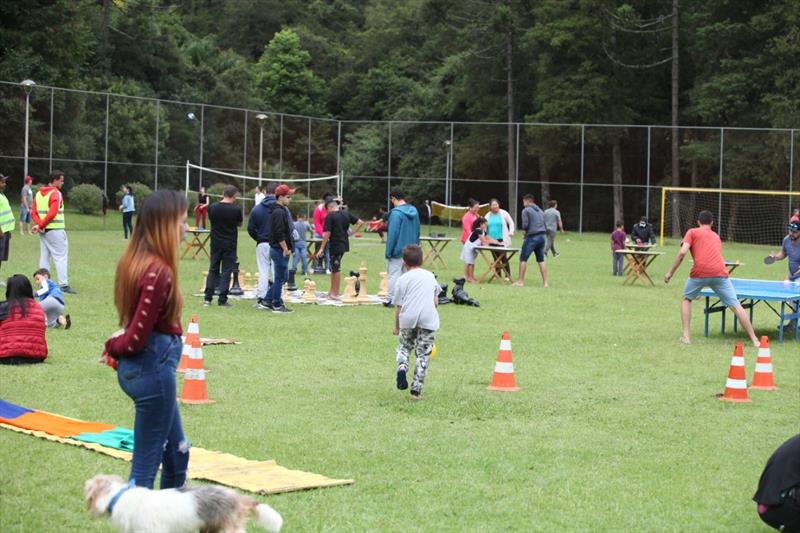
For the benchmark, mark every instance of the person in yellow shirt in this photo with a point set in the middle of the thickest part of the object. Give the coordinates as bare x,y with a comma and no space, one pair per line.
48,216
7,222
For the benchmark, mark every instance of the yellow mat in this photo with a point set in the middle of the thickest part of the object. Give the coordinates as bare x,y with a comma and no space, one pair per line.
262,477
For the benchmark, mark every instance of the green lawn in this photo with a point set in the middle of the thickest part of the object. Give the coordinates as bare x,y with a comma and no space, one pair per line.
616,427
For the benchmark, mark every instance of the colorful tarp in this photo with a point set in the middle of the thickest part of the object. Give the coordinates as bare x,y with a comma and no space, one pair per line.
264,477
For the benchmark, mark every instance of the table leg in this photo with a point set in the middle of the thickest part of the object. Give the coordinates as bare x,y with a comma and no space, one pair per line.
486,260
708,300
438,250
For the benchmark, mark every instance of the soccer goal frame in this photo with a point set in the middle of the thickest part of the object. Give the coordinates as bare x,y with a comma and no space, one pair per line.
721,192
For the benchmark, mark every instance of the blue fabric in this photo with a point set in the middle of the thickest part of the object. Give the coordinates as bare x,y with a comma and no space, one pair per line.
722,287
300,253
118,495
260,221
148,378
127,203
792,251
280,265
494,223
9,410
52,290
533,244
403,229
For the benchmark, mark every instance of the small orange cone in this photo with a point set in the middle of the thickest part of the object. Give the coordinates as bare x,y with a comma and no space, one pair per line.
192,334
736,386
763,379
194,381
503,378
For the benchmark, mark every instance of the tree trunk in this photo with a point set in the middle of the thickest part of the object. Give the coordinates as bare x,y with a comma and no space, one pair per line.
676,174
512,147
616,163
544,179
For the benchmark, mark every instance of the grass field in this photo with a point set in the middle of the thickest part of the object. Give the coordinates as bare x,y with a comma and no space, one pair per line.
616,427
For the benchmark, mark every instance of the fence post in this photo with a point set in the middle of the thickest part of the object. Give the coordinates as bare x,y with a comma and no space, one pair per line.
583,150
308,161
791,162
52,105
105,157
155,171
187,179
516,177
719,203
244,162
202,120
339,149
448,183
647,190
389,171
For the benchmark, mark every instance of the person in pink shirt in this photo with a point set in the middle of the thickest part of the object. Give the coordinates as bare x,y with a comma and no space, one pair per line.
708,271
618,237
795,215
469,219
320,212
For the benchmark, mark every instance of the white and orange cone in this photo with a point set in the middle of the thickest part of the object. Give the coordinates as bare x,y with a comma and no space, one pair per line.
764,379
194,381
736,386
503,377
192,334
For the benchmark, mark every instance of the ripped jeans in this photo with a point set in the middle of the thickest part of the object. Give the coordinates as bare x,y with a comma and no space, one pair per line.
149,379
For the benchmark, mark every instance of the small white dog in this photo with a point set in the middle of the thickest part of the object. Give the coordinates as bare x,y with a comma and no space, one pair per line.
203,508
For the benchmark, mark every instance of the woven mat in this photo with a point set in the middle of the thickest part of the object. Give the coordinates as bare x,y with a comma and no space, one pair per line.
261,477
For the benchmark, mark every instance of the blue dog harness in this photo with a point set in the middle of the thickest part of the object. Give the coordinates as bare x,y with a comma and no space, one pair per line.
118,495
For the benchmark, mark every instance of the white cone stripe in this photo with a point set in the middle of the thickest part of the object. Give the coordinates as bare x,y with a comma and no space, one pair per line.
194,327
504,368
195,373
764,367
196,353
764,352
187,348
505,344
736,384
737,361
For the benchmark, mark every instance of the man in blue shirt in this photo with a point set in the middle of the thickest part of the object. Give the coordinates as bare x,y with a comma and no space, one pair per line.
403,229
791,249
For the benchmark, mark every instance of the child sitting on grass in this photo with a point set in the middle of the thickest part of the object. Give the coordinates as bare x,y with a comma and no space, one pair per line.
22,336
416,319
478,237
52,300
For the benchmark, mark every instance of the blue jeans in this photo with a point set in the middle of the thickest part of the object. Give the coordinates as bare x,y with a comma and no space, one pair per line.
149,379
280,265
300,252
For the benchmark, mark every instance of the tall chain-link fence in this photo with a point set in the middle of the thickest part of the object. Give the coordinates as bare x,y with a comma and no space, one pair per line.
111,139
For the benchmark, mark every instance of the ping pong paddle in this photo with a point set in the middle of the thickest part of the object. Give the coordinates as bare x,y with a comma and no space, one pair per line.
769,260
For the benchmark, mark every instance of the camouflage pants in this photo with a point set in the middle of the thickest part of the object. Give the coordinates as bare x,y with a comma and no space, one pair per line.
421,340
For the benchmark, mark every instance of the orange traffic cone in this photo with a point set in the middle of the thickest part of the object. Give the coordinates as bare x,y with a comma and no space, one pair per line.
763,378
194,382
192,334
503,378
736,386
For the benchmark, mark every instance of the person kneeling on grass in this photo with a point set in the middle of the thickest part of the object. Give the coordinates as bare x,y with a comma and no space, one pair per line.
708,271
22,327
51,300
416,318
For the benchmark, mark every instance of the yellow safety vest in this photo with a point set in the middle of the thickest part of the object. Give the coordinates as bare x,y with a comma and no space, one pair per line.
6,216
42,204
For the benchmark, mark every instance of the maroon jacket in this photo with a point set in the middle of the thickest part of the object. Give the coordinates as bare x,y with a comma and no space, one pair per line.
24,336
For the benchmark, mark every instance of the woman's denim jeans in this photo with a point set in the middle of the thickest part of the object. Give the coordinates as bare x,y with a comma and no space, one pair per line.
149,379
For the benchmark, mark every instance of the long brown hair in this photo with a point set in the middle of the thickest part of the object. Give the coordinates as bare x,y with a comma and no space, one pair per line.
154,238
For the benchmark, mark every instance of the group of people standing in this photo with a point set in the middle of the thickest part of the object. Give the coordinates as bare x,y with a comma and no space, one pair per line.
497,228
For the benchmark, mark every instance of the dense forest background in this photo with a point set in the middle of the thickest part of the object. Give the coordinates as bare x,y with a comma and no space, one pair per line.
714,63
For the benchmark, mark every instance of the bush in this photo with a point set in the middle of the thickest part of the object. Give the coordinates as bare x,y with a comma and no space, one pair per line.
140,191
87,198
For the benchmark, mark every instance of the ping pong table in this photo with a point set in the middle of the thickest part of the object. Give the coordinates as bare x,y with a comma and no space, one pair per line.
752,291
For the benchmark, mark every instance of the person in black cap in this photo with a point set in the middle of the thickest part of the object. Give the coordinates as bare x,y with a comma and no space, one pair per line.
280,246
778,493
791,248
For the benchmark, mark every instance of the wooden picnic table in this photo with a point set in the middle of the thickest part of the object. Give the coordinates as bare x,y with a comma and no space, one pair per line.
196,240
499,255
638,262
437,245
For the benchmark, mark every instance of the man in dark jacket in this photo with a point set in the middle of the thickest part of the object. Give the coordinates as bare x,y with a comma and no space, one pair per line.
642,233
258,227
280,246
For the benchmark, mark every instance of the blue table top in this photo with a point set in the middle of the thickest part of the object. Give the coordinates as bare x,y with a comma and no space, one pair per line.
778,291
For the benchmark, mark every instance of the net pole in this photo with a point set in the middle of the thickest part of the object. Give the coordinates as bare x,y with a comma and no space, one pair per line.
244,161
583,152
719,203
449,182
339,146
663,203
389,171
202,120
308,161
187,179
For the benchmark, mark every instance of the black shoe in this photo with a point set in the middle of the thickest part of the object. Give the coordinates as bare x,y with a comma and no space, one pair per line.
69,322
416,395
67,289
402,383
263,304
388,304
225,304
281,310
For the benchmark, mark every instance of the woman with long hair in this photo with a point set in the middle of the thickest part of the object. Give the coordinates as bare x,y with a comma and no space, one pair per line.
22,324
147,350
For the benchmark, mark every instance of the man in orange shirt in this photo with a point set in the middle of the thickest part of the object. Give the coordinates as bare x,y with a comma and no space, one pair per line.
708,271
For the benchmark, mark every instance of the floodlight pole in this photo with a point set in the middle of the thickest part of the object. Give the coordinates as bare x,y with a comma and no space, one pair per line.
261,118
27,86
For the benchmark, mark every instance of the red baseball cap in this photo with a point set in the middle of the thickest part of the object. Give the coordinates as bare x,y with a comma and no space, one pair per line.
28,179
283,190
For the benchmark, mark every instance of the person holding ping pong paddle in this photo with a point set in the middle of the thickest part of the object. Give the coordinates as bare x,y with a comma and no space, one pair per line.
791,249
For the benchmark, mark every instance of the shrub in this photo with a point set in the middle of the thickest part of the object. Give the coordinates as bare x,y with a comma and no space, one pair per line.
87,198
140,191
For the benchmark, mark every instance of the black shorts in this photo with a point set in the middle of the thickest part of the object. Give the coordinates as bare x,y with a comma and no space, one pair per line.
4,245
336,261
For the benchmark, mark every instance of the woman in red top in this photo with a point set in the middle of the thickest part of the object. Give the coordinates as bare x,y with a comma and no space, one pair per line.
147,350
469,219
22,324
